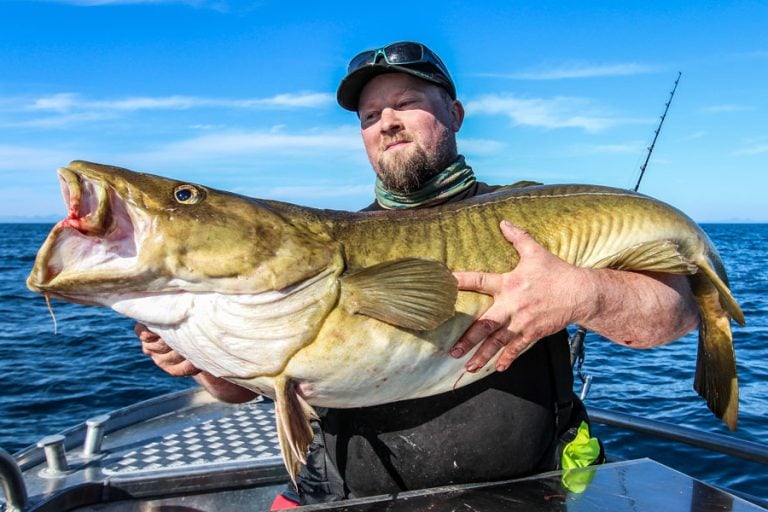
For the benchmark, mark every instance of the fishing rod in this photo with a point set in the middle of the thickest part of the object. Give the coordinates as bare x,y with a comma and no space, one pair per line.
656,133
576,340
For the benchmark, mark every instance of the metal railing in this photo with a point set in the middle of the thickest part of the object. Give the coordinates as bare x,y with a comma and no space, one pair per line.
719,443
714,442
12,483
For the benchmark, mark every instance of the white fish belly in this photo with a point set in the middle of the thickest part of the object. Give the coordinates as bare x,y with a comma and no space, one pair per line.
358,361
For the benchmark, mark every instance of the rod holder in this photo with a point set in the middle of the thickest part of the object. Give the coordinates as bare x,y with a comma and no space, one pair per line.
585,386
55,456
94,435
12,483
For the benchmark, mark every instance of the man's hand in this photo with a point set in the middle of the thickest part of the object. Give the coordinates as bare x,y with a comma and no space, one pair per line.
541,296
163,356
177,365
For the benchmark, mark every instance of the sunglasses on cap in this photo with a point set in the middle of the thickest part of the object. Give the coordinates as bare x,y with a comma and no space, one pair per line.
398,54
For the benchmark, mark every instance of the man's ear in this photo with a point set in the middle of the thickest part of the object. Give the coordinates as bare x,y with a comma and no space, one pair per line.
457,114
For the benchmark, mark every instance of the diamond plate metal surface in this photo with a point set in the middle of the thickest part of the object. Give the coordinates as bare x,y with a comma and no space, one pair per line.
248,434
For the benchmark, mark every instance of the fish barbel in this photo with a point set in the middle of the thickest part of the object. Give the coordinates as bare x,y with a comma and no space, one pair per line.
339,309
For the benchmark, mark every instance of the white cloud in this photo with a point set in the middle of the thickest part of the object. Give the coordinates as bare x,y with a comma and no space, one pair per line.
756,54
325,168
336,196
22,159
67,109
306,100
209,126
58,121
755,149
238,149
480,146
253,144
97,3
315,192
634,148
246,142
578,70
67,102
695,135
60,102
558,112
728,107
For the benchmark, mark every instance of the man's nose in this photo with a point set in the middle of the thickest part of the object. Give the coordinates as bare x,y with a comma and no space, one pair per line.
390,121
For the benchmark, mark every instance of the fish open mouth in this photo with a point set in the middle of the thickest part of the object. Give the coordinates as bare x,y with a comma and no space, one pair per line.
87,204
94,242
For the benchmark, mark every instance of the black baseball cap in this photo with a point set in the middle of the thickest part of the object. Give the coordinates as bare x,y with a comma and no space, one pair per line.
401,57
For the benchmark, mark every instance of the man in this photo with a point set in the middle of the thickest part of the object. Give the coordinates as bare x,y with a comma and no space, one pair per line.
511,423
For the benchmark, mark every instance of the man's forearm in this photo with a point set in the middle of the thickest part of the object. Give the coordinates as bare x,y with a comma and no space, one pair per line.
224,390
641,310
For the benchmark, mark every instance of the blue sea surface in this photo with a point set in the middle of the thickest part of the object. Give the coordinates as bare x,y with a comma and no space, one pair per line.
53,379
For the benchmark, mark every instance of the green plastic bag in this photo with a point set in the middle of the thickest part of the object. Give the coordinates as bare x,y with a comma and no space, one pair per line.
579,453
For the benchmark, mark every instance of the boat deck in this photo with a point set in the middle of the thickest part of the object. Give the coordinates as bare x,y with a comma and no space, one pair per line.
189,452
179,443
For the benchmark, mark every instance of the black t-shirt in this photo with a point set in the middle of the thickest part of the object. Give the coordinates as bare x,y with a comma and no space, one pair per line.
502,426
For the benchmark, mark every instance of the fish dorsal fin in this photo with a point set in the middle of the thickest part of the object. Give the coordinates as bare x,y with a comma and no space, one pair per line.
294,432
656,256
413,293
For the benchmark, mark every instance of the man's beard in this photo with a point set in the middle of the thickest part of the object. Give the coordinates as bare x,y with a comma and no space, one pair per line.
408,170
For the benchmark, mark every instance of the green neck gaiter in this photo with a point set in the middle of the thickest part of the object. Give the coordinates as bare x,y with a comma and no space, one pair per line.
453,180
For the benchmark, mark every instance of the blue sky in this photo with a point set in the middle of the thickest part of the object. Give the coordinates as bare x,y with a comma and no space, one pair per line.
240,95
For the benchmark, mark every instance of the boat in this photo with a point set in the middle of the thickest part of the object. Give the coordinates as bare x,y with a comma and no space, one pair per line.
186,451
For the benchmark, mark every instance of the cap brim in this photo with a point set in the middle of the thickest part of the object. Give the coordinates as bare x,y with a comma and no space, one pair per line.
348,93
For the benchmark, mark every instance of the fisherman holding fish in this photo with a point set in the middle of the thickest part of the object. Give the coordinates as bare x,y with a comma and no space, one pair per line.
518,420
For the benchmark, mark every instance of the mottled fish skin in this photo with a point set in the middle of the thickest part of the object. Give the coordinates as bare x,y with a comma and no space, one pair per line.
341,309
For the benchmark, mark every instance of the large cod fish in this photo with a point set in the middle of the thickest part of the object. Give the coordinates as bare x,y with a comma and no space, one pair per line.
338,309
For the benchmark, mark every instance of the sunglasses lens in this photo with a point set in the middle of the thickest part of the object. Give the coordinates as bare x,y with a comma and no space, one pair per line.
362,59
397,53
404,53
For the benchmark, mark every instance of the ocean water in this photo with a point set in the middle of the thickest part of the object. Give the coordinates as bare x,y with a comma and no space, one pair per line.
93,364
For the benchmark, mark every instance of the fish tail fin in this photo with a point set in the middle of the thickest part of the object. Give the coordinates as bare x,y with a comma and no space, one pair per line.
715,379
727,301
294,432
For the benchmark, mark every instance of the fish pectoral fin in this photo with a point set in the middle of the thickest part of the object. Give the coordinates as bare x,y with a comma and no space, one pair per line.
413,293
715,379
656,256
294,432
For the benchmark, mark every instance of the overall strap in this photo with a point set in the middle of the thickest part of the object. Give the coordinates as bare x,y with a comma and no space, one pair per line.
562,375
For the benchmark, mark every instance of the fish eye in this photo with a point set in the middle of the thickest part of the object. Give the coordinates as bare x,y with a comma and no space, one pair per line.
187,194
